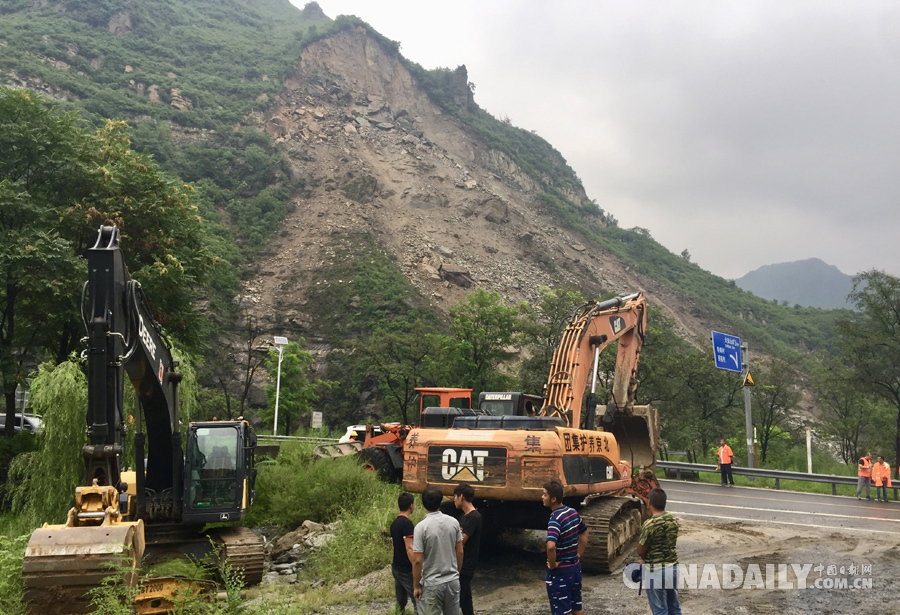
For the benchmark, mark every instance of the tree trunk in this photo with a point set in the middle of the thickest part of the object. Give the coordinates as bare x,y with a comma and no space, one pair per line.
10,429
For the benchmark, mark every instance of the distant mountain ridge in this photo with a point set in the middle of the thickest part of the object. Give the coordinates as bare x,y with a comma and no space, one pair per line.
810,283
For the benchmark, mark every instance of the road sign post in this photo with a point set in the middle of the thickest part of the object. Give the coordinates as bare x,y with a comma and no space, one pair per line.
733,356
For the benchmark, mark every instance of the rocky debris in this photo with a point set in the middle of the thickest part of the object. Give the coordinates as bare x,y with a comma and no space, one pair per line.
120,24
177,101
289,552
374,155
456,275
380,579
153,94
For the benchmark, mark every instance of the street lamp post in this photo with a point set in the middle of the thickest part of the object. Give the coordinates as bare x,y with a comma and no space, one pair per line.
280,343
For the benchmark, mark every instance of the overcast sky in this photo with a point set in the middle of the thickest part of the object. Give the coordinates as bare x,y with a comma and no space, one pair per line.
748,133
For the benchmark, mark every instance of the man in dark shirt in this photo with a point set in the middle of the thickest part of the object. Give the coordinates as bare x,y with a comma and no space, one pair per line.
401,566
470,524
567,537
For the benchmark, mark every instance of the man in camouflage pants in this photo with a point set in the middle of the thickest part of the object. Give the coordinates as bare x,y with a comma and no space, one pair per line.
657,548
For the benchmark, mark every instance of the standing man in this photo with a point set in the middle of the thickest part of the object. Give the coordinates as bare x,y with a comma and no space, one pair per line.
470,525
401,566
864,471
725,458
881,476
437,557
567,537
656,547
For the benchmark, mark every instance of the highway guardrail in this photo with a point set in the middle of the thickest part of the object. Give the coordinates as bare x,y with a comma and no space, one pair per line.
779,475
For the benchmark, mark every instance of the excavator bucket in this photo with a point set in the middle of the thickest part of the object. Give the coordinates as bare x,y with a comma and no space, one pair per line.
637,433
62,563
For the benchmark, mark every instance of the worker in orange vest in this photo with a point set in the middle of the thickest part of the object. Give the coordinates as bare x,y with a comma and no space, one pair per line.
725,458
881,476
864,471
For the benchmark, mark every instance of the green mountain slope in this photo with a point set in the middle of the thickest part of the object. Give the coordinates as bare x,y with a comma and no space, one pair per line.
186,72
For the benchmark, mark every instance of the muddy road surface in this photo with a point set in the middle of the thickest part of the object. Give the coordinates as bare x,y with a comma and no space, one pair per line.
785,561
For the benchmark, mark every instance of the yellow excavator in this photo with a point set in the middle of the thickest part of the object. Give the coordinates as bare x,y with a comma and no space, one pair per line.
605,463
122,519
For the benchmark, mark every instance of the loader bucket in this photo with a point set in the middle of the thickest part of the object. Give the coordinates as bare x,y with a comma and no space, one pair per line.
638,436
63,563
333,451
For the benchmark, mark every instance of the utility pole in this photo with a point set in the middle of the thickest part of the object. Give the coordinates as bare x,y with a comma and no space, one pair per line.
280,343
748,416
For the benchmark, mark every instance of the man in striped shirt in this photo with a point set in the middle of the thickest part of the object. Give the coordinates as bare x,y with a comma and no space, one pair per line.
567,537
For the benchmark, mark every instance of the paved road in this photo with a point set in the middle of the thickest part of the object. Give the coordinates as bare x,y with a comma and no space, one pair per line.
767,506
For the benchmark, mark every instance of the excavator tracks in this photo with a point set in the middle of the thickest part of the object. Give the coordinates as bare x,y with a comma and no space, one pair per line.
614,526
243,550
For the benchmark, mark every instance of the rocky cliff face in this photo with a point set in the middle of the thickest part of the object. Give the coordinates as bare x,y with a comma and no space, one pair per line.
376,155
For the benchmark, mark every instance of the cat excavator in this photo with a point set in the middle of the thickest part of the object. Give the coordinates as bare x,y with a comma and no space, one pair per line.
605,463
122,519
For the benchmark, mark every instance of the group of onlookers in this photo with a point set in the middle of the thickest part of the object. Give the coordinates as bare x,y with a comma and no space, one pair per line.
434,561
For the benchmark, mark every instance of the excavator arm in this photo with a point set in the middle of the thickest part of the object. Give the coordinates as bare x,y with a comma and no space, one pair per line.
124,337
593,327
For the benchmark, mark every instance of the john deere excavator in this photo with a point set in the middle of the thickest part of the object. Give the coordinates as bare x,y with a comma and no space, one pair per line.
605,463
165,502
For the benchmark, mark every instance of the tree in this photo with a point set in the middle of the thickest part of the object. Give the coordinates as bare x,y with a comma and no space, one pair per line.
483,328
871,344
541,329
297,393
847,409
58,183
698,408
402,360
775,395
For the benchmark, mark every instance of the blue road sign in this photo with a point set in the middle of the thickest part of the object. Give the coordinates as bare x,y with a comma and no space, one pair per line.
728,351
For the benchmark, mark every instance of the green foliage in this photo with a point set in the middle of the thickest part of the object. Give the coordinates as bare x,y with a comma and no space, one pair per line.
115,595
43,483
483,330
871,345
774,399
541,330
402,359
58,183
767,326
295,489
362,543
12,552
362,289
201,44
297,394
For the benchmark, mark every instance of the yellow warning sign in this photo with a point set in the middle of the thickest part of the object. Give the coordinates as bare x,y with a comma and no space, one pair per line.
748,381
465,474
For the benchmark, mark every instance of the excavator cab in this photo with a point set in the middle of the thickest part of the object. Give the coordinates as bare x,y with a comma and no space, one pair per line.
219,476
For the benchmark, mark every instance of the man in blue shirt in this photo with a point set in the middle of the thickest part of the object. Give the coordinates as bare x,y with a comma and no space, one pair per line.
567,537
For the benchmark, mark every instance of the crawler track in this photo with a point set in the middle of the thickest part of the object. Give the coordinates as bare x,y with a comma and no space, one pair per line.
244,550
614,525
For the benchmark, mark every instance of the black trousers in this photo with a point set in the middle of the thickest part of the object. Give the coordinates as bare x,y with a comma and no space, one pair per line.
726,473
403,588
465,593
